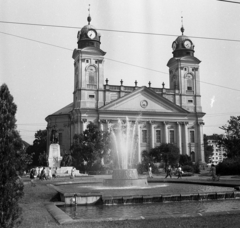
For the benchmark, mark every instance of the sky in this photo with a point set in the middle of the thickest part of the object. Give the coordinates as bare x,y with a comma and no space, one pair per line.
36,61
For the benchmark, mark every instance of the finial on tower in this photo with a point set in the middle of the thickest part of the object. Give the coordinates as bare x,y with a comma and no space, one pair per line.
182,28
89,17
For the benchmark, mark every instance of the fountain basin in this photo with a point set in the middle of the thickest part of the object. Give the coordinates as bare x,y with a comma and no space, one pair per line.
125,177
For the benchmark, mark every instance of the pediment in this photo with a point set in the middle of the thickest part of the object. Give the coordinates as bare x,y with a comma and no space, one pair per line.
143,100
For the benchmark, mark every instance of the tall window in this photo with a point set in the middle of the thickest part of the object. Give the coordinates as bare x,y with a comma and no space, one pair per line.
92,75
171,136
144,136
192,140
158,136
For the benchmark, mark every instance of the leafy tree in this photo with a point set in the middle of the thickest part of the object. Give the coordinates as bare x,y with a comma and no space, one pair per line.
184,159
166,152
12,161
90,147
37,150
208,150
231,140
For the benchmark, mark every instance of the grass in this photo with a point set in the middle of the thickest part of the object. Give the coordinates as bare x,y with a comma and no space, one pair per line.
35,214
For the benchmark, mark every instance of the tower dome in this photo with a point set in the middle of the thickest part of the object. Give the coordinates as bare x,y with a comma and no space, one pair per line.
88,36
182,46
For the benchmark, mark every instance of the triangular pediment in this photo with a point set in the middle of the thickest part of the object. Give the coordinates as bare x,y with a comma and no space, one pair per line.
143,100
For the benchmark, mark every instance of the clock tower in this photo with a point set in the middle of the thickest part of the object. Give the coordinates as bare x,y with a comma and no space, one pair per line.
184,73
88,93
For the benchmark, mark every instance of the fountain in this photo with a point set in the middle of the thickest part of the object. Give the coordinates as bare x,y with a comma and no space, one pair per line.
124,140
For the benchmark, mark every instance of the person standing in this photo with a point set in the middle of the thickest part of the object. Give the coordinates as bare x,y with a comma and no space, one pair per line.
150,171
49,173
169,172
32,172
72,173
179,172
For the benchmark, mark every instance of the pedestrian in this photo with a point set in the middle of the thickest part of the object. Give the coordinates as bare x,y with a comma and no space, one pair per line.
169,172
43,174
32,177
72,173
150,171
50,173
214,176
179,172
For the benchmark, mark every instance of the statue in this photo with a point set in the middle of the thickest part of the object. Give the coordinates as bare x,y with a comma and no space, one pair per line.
54,136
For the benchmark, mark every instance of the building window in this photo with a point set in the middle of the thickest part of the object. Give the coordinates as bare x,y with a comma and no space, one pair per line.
171,136
92,75
192,140
190,101
144,136
60,138
158,136
91,96
189,83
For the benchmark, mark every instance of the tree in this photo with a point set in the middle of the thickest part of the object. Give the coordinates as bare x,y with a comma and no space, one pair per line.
90,147
166,152
208,149
12,161
37,150
231,140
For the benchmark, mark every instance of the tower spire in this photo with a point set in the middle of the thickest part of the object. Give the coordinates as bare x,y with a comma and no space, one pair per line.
182,28
89,17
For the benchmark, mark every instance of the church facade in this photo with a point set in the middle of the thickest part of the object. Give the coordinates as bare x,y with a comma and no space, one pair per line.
165,115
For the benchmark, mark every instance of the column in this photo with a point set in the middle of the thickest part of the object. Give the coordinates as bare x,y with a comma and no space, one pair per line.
152,135
185,140
200,142
139,159
179,137
165,132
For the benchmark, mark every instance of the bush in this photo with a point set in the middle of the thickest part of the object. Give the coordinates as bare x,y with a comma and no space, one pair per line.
196,168
229,166
141,168
188,168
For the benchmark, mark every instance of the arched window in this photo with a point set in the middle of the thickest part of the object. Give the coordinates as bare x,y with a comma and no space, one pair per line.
189,78
92,75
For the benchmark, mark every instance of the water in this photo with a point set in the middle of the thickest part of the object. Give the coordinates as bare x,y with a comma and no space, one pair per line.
125,142
148,210
151,189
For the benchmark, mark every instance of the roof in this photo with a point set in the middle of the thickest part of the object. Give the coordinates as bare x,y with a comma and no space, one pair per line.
63,111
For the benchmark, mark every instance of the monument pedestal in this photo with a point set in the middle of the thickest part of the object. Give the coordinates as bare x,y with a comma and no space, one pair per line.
54,157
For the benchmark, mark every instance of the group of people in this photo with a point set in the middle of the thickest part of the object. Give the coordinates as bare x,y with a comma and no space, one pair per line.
41,174
179,171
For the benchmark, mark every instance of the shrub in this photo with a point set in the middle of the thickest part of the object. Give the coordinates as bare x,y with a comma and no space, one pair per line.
196,168
229,166
188,168
141,168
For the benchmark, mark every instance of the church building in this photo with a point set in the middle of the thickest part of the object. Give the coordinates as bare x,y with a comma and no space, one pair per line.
165,115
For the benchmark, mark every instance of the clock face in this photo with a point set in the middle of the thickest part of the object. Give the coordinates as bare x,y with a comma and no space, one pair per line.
174,45
91,34
187,44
